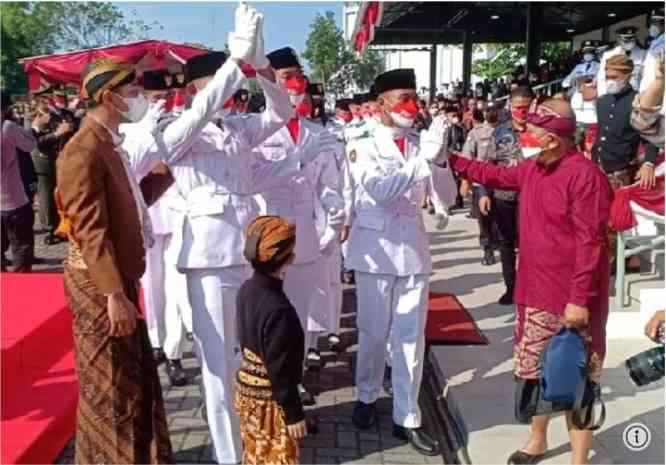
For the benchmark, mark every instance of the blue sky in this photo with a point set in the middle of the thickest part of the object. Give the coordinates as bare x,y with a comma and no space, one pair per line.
285,23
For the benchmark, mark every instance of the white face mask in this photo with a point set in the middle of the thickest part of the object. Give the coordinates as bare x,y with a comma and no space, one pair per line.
455,120
296,99
434,112
402,121
654,31
136,107
626,46
614,87
531,152
588,57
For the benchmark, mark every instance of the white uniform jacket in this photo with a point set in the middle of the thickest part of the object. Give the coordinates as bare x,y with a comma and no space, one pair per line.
637,56
388,235
216,174
586,112
295,199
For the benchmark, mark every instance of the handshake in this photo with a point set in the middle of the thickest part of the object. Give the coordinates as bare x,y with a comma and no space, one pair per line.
246,42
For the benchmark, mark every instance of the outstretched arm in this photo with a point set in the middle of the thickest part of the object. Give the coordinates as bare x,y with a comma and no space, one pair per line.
493,176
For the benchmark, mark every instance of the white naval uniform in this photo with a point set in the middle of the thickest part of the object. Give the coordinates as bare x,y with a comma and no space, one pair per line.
586,112
296,199
388,249
637,55
442,186
217,175
651,62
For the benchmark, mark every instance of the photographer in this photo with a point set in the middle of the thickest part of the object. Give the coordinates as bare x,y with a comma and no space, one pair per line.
52,129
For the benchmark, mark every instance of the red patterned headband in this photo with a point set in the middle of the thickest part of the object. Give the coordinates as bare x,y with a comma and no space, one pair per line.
554,123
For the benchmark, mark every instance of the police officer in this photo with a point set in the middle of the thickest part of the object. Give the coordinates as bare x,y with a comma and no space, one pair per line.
656,50
627,45
581,83
388,249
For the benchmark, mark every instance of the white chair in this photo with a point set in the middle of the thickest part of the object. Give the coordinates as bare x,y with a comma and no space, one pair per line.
640,243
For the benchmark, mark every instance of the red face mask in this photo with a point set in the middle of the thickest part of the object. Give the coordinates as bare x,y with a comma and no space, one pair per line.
519,114
304,109
530,144
408,108
345,116
295,85
169,103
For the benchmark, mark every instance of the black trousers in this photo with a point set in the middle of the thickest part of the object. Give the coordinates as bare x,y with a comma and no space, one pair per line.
487,231
17,233
46,184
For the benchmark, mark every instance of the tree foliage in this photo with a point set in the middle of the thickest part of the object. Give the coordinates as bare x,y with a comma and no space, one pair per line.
334,63
506,57
40,28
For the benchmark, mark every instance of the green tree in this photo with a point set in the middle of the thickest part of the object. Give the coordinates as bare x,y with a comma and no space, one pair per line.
506,57
333,62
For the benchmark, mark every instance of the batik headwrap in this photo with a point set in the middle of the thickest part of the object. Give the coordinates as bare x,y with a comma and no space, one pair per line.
104,74
269,240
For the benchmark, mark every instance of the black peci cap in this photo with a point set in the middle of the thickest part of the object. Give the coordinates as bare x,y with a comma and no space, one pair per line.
203,65
283,58
343,104
156,80
395,79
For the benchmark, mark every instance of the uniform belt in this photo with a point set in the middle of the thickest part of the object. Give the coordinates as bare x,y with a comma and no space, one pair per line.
411,211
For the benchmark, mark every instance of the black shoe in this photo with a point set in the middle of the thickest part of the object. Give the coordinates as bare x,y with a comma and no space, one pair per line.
175,372
364,416
313,360
488,257
306,396
507,298
387,383
189,336
431,210
419,439
519,457
348,277
158,355
334,343
51,239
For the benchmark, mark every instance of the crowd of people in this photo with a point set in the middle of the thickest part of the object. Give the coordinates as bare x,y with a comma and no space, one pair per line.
240,216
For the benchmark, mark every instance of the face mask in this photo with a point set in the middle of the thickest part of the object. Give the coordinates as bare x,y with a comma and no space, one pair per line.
626,46
455,120
654,31
519,114
295,86
403,114
530,145
614,86
346,116
588,57
304,109
136,107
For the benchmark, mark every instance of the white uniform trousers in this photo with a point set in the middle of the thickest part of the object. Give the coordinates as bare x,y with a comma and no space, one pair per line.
213,297
305,287
154,294
395,307
334,290
178,312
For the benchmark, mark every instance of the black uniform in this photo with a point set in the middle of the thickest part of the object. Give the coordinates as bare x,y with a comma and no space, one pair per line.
268,325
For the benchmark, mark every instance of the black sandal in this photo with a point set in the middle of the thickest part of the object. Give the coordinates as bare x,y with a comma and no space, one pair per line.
519,457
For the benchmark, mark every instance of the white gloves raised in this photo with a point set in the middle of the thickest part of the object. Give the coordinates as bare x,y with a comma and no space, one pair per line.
153,115
246,42
432,140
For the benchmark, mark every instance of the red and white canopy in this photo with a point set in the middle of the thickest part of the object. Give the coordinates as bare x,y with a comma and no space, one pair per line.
65,68
369,16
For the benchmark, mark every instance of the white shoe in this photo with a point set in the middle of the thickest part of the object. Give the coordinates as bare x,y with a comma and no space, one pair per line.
442,221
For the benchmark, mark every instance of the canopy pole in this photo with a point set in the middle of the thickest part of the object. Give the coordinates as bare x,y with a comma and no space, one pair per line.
467,60
533,39
433,71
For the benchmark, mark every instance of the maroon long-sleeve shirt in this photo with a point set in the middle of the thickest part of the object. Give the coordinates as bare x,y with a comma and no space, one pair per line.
563,217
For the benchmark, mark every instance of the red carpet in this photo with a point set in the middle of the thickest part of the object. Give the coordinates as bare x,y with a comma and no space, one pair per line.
39,386
450,323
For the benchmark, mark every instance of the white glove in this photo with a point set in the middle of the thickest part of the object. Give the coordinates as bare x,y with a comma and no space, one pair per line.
431,144
328,241
259,60
243,40
336,218
153,115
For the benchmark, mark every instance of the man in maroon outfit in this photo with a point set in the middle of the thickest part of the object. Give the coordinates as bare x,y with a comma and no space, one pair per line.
563,270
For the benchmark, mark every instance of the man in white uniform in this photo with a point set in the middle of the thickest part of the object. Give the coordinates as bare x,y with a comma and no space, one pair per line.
164,328
296,199
628,45
656,50
388,249
217,175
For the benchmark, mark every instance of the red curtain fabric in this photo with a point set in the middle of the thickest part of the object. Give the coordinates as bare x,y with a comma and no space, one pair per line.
370,14
621,216
66,68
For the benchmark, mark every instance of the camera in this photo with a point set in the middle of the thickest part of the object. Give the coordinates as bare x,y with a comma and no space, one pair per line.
647,367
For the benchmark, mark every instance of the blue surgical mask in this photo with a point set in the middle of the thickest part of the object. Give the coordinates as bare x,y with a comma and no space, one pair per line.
587,57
